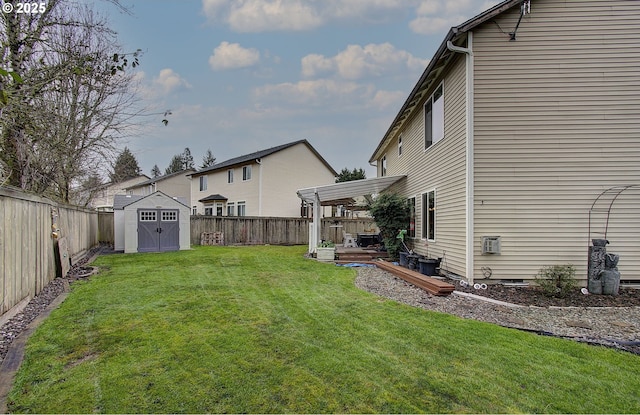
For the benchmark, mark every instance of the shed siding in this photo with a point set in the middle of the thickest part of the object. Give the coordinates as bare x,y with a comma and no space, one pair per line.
441,167
557,121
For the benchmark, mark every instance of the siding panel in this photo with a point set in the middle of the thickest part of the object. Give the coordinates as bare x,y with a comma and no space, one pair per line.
441,167
556,123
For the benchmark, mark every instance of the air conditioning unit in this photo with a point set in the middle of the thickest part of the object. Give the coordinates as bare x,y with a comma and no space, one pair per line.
490,245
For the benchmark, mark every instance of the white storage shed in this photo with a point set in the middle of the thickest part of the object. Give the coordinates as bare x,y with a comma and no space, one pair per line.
152,223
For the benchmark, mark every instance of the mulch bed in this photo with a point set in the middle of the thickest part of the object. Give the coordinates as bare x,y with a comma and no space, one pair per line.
533,296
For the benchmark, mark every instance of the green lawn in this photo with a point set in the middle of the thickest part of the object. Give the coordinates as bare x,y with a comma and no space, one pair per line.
263,330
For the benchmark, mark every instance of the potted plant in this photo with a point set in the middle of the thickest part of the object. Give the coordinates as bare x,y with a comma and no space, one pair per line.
326,251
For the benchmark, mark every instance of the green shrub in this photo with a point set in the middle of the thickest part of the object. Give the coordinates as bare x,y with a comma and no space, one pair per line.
391,213
557,280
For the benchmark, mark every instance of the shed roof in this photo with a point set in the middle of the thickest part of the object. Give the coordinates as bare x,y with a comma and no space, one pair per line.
126,200
120,201
259,154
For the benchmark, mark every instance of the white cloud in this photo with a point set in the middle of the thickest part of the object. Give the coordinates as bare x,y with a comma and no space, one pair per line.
327,94
233,56
297,15
169,81
261,15
431,16
357,62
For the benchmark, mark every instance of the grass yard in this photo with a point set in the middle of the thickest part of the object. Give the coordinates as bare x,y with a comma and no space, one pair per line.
263,330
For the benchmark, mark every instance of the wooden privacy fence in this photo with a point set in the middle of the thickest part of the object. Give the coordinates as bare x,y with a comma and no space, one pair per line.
106,227
253,230
246,230
27,242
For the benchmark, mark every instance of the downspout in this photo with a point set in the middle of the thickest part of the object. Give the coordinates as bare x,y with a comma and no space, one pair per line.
259,161
468,51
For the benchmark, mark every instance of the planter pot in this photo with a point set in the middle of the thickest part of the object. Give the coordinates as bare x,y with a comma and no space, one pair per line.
325,254
428,266
403,258
412,261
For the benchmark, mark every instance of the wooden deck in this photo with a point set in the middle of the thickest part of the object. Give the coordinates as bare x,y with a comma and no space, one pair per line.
432,285
345,254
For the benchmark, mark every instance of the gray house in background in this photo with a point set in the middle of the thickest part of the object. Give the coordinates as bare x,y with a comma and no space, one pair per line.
526,114
175,185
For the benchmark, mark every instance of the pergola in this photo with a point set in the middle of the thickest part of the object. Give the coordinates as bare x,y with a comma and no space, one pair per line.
331,194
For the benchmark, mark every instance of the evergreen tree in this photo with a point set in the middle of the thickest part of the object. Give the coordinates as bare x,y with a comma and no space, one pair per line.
187,159
175,165
155,171
208,160
125,167
347,175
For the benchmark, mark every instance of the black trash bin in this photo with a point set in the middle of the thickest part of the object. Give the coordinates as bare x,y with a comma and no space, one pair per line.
428,266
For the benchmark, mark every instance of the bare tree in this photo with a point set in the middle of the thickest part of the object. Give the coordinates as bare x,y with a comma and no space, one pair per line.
63,121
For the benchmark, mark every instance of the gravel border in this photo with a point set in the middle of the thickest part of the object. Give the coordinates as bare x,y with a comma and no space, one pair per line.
617,327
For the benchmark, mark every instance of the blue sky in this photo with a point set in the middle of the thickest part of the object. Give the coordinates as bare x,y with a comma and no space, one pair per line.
244,75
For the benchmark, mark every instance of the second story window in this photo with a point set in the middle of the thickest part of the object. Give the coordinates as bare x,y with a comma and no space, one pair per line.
383,166
400,145
230,176
434,118
246,173
203,183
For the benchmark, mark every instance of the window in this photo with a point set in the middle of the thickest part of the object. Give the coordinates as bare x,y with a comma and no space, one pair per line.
400,145
241,209
148,216
230,176
429,215
434,118
411,232
208,211
219,209
169,216
194,210
203,183
246,173
231,209
383,166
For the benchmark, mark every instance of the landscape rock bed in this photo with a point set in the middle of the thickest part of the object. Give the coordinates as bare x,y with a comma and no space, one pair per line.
606,321
18,323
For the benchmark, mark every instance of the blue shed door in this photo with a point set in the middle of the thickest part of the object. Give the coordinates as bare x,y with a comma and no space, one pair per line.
158,230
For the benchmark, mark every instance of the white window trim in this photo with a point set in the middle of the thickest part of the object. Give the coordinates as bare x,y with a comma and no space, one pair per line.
230,176
246,169
244,206
400,146
440,137
415,218
425,215
383,166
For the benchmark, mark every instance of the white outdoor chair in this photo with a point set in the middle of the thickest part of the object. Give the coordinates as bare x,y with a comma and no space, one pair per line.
348,241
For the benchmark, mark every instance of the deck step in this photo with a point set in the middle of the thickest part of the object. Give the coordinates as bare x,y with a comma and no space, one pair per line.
359,257
432,285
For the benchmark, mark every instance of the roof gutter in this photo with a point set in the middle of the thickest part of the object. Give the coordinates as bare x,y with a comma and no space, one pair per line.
470,236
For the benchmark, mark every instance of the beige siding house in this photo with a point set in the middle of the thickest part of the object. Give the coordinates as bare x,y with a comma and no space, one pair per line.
263,183
102,199
177,185
525,115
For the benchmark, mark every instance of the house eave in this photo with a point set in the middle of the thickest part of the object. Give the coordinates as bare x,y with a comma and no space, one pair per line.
433,72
